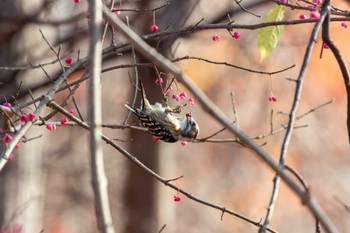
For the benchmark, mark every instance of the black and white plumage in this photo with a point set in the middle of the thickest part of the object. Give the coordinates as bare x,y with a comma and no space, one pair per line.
161,123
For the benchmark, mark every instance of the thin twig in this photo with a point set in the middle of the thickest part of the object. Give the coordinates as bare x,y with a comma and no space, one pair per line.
34,18
295,6
30,139
346,207
106,25
174,179
28,67
309,111
232,65
196,24
145,10
297,175
136,78
318,227
161,229
234,109
245,10
57,54
271,206
46,74
271,121
210,136
314,109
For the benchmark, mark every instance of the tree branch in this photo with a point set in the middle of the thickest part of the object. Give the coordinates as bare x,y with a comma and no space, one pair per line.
342,65
98,176
293,111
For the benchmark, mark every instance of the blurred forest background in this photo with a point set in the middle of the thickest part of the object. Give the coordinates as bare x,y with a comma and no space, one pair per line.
47,185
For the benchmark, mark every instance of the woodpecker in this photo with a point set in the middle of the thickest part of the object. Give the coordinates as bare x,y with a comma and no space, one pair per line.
160,121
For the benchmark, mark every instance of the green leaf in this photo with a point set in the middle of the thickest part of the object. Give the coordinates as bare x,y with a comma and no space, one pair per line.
267,37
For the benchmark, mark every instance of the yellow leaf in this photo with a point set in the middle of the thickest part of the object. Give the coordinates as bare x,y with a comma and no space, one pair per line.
268,37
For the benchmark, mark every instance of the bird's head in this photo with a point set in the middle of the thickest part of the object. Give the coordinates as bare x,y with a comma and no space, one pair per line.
189,128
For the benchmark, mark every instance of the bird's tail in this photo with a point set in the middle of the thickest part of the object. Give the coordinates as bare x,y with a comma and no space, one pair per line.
131,108
144,101
143,94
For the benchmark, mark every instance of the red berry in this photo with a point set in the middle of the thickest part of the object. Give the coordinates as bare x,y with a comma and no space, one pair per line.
216,37
115,10
183,95
7,138
10,157
17,228
51,127
167,89
76,1
69,60
64,121
191,101
311,6
302,16
176,97
23,118
183,143
159,81
315,15
154,28
177,198
272,98
7,104
236,35
155,138
31,116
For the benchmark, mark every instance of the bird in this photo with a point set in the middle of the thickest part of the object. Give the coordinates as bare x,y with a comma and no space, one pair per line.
160,121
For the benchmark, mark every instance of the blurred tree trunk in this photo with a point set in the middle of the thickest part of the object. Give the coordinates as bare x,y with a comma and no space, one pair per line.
22,181
140,192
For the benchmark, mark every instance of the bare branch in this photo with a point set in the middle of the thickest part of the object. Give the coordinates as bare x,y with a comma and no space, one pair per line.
245,10
98,176
342,65
161,229
292,119
136,78
346,207
314,109
231,65
143,10
28,67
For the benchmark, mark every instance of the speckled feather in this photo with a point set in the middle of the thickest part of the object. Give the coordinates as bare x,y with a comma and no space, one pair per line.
157,119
